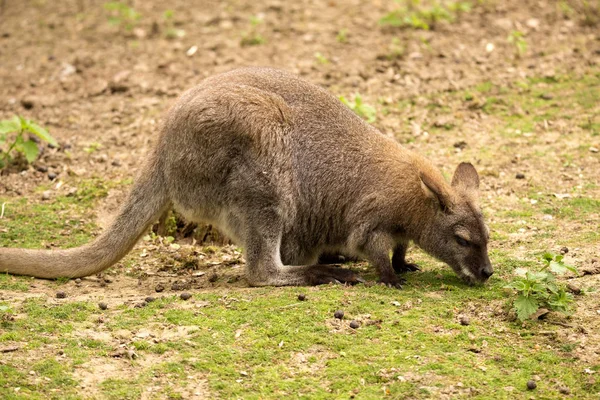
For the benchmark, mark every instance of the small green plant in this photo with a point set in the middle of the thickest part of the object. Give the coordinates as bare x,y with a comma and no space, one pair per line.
537,289
92,148
363,110
120,14
13,139
396,49
252,37
517,39
6,313
342,36
170,31
321,58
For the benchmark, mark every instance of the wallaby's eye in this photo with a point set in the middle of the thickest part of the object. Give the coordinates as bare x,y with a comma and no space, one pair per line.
461,241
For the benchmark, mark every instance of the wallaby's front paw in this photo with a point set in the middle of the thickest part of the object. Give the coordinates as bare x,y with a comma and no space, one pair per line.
323,274
393,282
404,267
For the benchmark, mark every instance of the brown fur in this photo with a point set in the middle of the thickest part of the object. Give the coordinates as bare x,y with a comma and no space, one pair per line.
288,172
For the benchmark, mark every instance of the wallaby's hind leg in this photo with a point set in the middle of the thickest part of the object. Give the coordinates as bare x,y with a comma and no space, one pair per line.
399,260
263,261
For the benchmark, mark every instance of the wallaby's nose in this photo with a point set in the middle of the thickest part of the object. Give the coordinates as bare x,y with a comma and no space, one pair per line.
487,271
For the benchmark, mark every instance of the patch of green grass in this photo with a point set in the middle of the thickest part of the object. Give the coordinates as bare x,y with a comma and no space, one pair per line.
120,389
16,283
425,15
263,342
540,99
576,208
62,221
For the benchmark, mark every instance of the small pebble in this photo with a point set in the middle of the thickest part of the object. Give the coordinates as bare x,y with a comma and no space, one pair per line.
301,297
520,176
531,384
185,296
564,390
61,295
140,305
52,175
339,314
46,195
564,250
149,299
27,103
103,306
354,324
546,96
573,288
465,321
159,288
41,168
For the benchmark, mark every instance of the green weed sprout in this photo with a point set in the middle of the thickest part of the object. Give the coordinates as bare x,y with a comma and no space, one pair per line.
171,32
122,14
12,138
537,289
252,37
363,110
518,40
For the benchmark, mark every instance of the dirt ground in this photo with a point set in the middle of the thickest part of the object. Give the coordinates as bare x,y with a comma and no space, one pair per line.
101,89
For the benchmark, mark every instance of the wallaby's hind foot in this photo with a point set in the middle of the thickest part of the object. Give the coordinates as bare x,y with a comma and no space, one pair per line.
307,275
323,274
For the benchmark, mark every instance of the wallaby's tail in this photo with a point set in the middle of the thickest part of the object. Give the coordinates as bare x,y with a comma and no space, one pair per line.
147,200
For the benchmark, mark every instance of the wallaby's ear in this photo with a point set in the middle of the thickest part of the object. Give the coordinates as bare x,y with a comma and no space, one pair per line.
466,177
435,191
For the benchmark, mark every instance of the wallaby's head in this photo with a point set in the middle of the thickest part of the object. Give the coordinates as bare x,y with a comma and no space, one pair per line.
457,234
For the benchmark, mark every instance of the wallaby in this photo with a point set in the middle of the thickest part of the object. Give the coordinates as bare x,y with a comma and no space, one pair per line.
288,172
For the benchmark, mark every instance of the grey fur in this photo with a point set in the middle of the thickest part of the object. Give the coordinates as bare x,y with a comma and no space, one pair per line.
288,172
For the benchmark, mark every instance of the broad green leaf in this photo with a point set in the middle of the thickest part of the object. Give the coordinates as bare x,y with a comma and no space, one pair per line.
558,267
30,150
561,300
10,125
538,288
571,268
548,256
538,276
40,132
525,307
